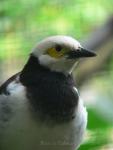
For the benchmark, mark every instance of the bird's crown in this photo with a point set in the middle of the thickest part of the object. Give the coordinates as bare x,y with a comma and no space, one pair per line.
59,52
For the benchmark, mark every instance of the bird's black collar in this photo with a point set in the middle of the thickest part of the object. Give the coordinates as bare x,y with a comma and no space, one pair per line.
50,93
33,71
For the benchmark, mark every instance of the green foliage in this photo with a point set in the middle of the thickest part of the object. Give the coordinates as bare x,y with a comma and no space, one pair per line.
24,22
100,132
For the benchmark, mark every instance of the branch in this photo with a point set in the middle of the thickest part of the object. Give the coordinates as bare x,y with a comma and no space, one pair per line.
102,42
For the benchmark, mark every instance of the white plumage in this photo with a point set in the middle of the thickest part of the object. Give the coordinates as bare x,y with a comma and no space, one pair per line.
47,136
22,99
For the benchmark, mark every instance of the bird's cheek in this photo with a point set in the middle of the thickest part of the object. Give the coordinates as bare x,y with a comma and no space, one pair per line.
46,59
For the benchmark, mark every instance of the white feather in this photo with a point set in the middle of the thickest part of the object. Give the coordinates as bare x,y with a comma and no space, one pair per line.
50,42
62,64
23,132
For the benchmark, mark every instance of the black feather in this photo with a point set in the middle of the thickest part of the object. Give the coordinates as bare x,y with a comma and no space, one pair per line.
3,88
50,93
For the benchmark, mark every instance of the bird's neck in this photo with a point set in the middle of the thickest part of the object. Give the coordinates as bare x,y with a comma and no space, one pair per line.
33,72
50,93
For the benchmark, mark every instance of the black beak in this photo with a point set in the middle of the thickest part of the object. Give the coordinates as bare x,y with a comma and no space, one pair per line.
80,53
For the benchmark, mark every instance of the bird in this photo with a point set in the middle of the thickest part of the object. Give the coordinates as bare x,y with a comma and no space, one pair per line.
40,106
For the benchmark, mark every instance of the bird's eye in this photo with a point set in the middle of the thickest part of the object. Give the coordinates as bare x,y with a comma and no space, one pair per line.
56,52
58,48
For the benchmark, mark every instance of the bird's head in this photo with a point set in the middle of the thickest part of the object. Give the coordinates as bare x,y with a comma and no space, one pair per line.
60,53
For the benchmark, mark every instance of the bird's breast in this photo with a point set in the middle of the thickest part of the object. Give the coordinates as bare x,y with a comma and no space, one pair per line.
53,99
24,130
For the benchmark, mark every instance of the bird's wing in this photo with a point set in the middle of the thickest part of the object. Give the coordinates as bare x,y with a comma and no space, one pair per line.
9,95
3,87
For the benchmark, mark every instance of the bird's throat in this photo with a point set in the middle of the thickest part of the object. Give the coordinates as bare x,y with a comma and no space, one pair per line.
49,92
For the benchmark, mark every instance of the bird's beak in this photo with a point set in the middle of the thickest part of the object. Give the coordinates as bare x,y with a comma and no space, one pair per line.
80,53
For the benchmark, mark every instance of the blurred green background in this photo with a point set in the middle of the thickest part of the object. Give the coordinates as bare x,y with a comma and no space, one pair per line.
25,22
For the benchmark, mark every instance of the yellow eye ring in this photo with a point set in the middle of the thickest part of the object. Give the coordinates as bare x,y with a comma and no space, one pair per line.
56,53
